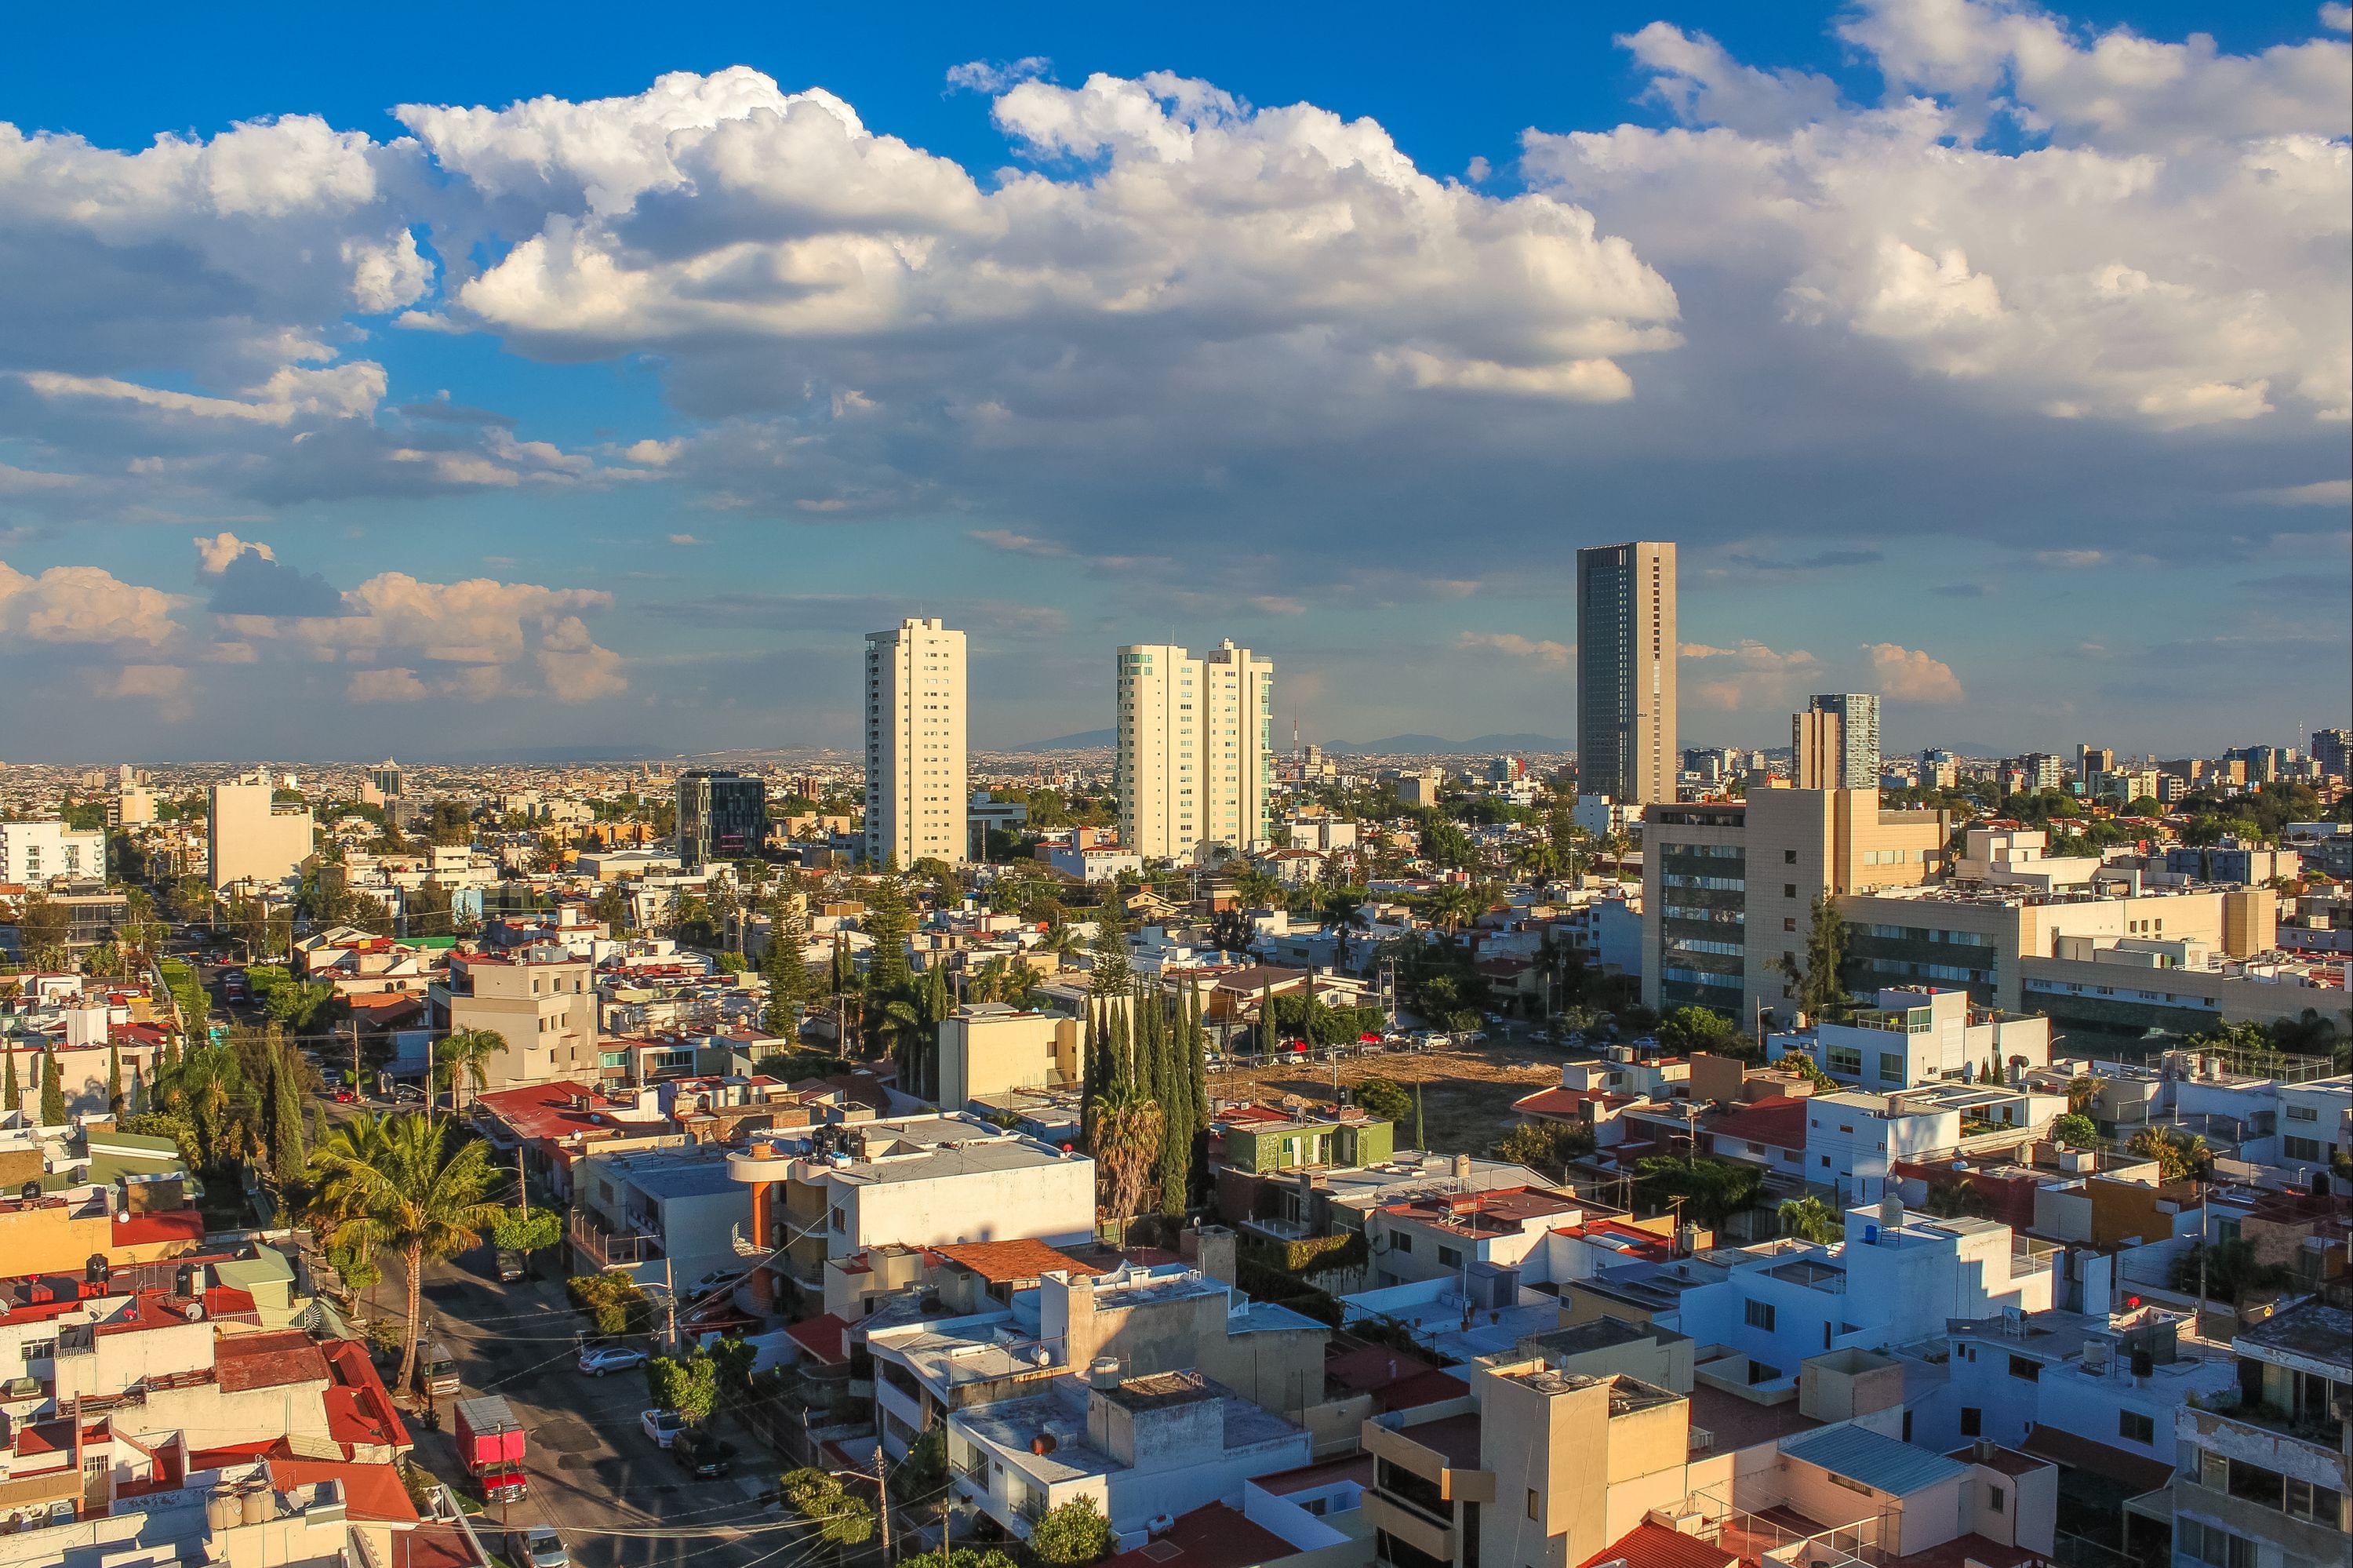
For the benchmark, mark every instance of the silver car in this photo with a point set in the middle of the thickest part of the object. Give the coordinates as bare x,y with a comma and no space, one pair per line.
598,1360
537,1547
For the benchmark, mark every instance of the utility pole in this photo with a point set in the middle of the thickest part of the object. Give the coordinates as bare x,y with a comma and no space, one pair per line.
670,1299
522,1187
883,1505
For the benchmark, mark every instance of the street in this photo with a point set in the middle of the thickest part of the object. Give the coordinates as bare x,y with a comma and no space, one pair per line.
593,1470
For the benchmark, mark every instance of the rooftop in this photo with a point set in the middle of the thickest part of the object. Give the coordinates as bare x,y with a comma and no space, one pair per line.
1880,1463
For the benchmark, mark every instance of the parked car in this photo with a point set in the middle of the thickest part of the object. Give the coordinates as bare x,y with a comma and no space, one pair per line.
662,1426
699,1454
537,1547
597,1360
407,1095
437,1370
510,1263
346,1096
714,1282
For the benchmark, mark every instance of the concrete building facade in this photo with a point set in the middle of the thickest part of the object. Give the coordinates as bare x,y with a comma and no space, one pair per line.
1195,749
252,839
916,787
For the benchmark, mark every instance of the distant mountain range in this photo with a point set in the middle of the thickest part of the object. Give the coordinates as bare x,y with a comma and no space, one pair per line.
1439,746
1086,740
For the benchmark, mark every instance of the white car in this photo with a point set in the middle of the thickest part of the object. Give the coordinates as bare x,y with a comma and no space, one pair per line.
597,1361
662,1426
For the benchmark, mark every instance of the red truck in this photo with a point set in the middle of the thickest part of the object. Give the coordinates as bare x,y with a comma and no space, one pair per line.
489,1445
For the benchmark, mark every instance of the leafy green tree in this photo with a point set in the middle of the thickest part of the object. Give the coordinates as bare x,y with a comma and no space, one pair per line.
2075,1130
1383,1098
1798,1062
838,1517
1542,1146
612,1302
1713,1190
526,1231
1689,1029
1809,1219
733,1357
783,966
1961,1200
403,1185
1074,1533
689,1384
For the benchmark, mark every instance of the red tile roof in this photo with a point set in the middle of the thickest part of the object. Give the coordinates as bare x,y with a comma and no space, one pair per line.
370,1492
359,1407
1004,1261
825,1337
160,1227
1649,1545
1778,1122
1211,1537
243,1362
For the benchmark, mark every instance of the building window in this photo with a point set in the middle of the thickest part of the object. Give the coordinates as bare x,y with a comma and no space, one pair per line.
1448,1258
1400,1242
1532,1502
2030,1371
2305,1150
1760,1315
1891,1067
1995,1498
1788,890
1788,922
2320,1504
1972,1421
2135,1427
1788,857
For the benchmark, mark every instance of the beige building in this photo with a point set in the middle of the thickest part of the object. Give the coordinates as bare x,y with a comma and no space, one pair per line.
989,1048
253,839
916,771
540,1000
1729,887
1626,673
1195,749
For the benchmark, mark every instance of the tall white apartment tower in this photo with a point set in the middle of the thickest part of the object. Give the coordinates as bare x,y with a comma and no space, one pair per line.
915,792
1196,748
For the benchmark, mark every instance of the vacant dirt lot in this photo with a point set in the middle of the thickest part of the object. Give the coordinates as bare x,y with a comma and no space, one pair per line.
1466,1096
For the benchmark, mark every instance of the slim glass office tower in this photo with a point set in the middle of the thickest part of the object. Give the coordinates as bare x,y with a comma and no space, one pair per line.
721,816
1626,673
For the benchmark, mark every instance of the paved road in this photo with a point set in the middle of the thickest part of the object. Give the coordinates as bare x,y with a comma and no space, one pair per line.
592,1469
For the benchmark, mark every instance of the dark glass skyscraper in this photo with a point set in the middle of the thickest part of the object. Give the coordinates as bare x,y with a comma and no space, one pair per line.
1626,673
721,815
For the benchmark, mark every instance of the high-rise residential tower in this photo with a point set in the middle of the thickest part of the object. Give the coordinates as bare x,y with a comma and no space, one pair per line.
1196,748
1626,673
1837,741
916,784
721,815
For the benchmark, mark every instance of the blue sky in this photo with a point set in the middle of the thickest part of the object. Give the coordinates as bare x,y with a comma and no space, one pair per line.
1986,356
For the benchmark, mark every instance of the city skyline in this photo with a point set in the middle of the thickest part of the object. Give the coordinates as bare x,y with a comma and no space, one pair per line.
348,416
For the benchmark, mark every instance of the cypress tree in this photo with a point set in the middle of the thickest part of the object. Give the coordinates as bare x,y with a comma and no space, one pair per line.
53,1090
1090,1075
1196,1060
13,1095
285,1107
114,1080
1122,1067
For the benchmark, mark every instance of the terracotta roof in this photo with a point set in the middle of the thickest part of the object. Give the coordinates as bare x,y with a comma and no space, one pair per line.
359,1407
1211,1537
1779,1122
244,1361
1004,1261
370,1492
1649,1545
162,1226
826,1337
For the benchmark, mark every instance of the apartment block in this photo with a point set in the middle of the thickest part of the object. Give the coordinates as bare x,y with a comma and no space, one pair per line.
538,999
253,839
990,1048
1626,673
1836,741
33,854
721,816
2260,1476
916,787
1728,887
1195,749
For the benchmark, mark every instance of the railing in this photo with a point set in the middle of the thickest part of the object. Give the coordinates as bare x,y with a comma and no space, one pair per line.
614,1249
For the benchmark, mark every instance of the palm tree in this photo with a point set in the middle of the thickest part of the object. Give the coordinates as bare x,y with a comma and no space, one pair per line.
1257,889
403,1185
2082,1090
462,1055
1126,1142
1809,1219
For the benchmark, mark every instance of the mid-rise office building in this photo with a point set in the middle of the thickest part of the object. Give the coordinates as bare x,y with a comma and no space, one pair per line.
1626,673
252,838
2333,750
1836,741
1195,749
1729,887
721,816
915,773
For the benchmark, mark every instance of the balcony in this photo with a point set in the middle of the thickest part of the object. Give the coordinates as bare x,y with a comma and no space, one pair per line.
609,1248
